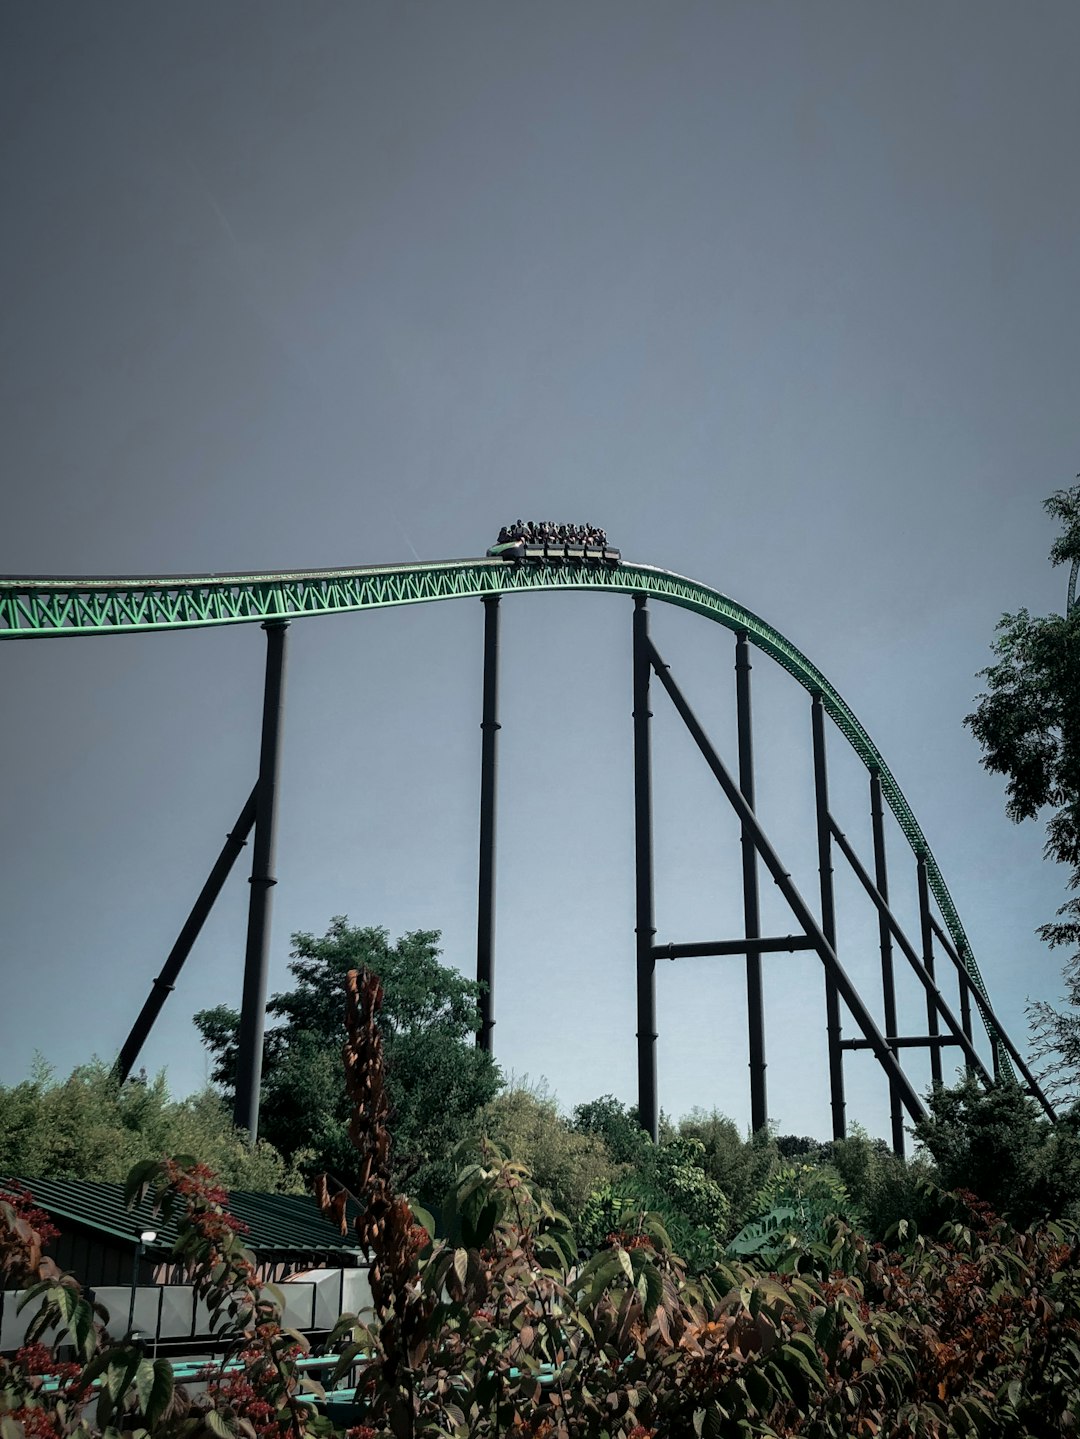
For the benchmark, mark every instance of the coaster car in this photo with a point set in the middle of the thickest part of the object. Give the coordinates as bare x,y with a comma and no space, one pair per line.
545,549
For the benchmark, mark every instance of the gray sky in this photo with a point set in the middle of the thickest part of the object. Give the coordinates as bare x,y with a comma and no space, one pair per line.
782,294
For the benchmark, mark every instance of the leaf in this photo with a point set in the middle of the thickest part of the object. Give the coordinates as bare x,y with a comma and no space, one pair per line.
218,1425
424,1219
161,1392
144,1382
136,1182
809,1369
345,1324
120,1374
654,1289
461,1265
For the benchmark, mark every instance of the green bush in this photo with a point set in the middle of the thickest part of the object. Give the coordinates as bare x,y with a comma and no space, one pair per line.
996,1142
739,1165
90,1127
568,1163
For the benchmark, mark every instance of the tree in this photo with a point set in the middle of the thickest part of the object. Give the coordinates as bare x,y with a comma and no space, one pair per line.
739,1165
995,1143
1028,724
438,1079
89,1127
569,1164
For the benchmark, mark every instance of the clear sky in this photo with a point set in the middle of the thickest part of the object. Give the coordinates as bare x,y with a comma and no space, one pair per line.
782,294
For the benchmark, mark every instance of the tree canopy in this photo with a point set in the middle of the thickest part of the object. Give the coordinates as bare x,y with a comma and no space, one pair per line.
90,1127
1028,724
437,1078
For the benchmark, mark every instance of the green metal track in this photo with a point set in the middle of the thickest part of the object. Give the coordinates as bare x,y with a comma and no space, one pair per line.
43,608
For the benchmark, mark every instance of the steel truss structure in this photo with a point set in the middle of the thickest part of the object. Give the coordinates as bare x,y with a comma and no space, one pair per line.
46,607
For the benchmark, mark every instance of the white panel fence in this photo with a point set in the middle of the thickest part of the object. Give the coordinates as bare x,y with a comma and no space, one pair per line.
313,1301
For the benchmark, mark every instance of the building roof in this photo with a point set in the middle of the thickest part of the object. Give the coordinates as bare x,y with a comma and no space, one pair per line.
276,1223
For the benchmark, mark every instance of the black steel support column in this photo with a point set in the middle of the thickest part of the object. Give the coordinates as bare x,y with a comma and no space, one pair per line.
928,963
799,908
163,985
962,977
888,981
257,955
643,875
828,918
485,917
755,1004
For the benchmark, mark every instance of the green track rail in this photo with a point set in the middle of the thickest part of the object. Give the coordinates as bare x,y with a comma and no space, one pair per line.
50,608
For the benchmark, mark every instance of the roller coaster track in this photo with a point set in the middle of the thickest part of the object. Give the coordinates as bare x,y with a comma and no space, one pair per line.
51,608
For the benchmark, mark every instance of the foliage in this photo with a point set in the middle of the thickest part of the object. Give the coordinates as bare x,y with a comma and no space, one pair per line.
617,1125
738,1165
568,1163
90,1127
1028,724
996,1142
884,1188
112,1387
437,1078
497,1329
795,1210
978,1332
668,1179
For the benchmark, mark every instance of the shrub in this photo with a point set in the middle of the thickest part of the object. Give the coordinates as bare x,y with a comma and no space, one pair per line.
569,1164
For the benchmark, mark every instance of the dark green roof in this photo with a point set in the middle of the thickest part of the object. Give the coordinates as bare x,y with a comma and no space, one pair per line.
276,1223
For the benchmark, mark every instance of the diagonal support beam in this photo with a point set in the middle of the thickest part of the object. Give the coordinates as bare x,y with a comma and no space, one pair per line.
170,971
934,994
993,1024
861,1015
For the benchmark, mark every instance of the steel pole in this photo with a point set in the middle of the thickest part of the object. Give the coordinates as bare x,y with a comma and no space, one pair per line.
166,980
257,955
828,918
755,1004
888,978
928,965
963,980
645,928
801,910
485,915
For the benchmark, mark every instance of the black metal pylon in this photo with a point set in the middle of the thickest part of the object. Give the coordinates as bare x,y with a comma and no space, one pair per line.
485,918
249,1058
819,937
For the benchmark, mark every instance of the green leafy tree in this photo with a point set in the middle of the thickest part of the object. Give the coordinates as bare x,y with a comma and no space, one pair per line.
617,1124
568,1164
885,1188
997,1144
89,1127
739,1164
666,1179
1028,724
438,1080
